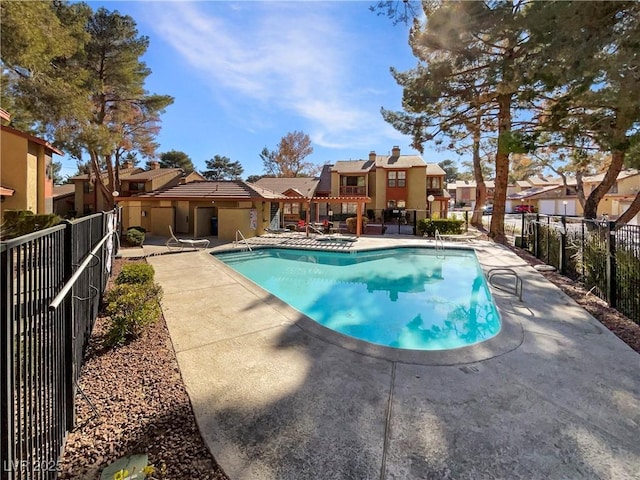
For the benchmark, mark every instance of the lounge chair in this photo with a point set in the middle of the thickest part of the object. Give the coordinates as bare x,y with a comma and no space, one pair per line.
182,243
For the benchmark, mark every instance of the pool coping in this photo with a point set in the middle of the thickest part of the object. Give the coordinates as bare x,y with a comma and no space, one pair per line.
509,338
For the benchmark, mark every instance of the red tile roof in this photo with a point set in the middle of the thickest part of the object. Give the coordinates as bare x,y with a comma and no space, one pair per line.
227,190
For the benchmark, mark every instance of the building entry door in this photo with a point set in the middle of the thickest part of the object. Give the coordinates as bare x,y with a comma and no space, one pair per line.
182,217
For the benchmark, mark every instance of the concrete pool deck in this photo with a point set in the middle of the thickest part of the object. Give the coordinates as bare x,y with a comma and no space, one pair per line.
278,397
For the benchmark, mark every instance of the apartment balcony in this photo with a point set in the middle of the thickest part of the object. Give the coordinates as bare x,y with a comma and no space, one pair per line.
350,191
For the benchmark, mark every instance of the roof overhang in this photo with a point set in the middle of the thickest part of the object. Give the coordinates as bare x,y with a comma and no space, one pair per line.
6,192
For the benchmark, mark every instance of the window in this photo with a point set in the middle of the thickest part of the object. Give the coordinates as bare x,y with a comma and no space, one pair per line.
350,208
402,179
391,204
136,186
402,204
87,187
614,188
434,182
352,181
397,179
391,179
291,208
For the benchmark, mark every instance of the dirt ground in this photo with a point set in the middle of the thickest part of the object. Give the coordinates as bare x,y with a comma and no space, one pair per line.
139,403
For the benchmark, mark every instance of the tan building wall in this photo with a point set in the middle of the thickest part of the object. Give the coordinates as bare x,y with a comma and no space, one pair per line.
14,174
232,219
26,169
417,188
160,219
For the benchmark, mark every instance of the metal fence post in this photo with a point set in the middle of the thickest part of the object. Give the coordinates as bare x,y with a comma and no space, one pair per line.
7,439
536,237
563,245
68,330
612,287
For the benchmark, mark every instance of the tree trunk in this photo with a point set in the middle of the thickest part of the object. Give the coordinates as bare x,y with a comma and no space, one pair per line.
580,189
591,205
502,168
630,212
104,190
481,188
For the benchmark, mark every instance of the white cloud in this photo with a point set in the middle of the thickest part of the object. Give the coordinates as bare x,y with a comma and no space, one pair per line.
278,58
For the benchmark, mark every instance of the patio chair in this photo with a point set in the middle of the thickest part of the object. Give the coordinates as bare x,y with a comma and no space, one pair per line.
182,243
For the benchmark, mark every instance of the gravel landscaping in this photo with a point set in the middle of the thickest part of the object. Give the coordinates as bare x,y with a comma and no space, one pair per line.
141,405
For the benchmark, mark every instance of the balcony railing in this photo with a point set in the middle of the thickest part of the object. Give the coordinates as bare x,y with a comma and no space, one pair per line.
436,192
353,190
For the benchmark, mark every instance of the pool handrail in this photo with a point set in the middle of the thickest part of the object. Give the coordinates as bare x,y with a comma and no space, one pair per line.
244,240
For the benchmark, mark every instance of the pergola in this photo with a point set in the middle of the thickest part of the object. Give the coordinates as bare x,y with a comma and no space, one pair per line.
358,200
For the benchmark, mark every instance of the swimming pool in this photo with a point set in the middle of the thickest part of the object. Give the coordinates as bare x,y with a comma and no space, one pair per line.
406,298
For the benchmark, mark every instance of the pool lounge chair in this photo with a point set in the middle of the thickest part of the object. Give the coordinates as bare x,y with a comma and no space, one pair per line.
182,243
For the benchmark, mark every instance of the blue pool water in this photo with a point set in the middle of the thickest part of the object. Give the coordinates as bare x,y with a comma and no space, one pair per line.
407,298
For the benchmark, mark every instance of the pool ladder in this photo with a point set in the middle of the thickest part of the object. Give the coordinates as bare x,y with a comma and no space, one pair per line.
240,239
440,252
509,272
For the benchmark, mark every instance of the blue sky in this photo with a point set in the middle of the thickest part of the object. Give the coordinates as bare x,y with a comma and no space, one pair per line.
245,73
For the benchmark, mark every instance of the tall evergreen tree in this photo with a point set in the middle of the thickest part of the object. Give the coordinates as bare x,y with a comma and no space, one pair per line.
473,67
102,107
596,87
176,159
222,168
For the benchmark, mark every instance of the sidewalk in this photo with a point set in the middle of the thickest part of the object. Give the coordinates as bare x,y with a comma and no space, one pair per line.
275,397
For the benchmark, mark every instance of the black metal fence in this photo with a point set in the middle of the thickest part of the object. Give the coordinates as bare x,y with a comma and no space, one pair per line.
52,283
600,255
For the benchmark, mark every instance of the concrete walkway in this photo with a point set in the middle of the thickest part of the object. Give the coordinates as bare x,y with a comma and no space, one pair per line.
556,396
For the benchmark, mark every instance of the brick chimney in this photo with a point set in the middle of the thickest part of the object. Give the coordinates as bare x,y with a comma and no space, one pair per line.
372,156
127,164
395,151
155,165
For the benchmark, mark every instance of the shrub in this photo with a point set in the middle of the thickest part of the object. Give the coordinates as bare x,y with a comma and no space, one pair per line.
446,226
135,273
17,223
131,306
135,237
138,228
351,223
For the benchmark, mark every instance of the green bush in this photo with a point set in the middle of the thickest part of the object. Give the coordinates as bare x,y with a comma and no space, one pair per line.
138,228
131,307
17,223
135,237
135,273
446,226
352,222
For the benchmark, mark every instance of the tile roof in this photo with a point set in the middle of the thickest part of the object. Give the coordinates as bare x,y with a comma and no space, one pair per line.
62,190
306,186
230,190
400,161
435,169
325,179
353,166
532,192
150,174
623,174
124,174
